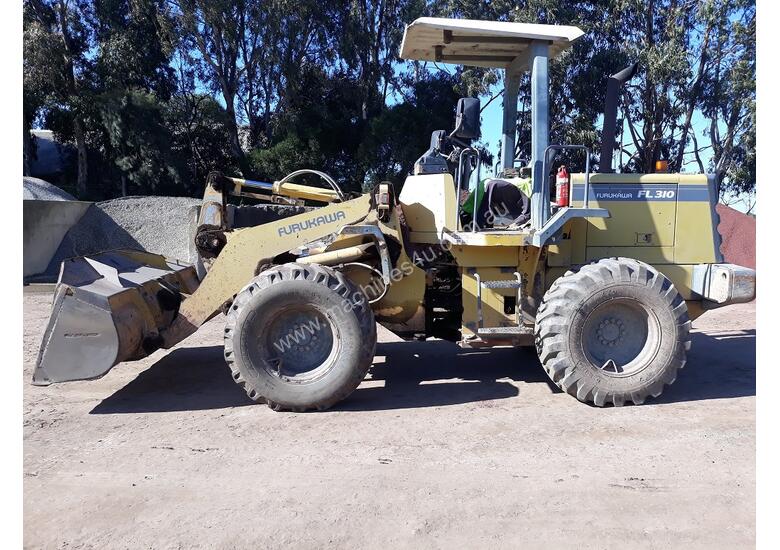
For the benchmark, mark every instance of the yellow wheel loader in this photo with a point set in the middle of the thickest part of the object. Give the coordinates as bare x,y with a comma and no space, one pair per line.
604,285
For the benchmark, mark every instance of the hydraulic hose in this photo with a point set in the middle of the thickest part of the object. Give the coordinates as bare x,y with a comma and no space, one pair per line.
322,175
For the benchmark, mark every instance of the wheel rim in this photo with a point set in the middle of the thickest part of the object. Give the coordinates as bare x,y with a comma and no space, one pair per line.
299,345
621,337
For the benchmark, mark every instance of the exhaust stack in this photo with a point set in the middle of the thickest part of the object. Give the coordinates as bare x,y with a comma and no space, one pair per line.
610,116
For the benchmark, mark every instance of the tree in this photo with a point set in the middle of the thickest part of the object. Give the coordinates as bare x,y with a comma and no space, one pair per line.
156,93
699,60
132,79
293,36
198,127
135,140
250,52
729,96
56,41
402,132
135,42
217,29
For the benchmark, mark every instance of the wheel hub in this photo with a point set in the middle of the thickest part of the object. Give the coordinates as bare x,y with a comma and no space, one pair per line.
610,331
300,342
620,337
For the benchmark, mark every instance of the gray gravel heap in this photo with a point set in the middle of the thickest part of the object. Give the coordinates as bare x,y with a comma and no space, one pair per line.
38,189
162,225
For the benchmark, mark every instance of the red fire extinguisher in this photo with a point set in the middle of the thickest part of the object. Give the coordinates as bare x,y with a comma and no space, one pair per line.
562,187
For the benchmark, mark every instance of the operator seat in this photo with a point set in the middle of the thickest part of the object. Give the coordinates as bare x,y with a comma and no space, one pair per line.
500,200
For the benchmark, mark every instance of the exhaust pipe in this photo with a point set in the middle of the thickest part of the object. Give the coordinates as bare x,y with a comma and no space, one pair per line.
610,116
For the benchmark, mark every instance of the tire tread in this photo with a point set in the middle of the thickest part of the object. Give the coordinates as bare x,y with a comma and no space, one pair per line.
321,275
564,298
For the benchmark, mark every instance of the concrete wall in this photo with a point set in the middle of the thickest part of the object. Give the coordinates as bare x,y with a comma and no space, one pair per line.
45,224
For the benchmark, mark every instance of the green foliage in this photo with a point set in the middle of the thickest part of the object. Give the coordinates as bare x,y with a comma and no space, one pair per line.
401,133
340,113
199,140
134,40
154,94
319,128
136,140
729,93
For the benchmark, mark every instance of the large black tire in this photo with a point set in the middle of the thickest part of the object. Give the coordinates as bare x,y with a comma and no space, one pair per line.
300,337
613,331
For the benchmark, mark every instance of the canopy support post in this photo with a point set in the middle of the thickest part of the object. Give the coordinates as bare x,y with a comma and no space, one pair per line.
509,128
540,130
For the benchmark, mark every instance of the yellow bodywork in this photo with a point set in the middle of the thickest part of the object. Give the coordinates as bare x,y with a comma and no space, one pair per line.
666,220
142,302
429,205
248,249
672,227
401,308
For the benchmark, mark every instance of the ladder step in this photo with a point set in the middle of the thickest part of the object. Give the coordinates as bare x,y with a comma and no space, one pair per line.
501,284
502,332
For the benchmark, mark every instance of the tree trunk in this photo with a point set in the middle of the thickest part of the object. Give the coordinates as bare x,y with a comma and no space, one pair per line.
649,106
235,143
81,147
70,79
692,102
696,153
27,149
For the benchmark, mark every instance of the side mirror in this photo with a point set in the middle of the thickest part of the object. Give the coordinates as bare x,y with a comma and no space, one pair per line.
467,118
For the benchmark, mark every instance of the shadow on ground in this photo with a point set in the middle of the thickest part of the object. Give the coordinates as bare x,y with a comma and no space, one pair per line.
720,365
198,379
185,379
438,373
428,374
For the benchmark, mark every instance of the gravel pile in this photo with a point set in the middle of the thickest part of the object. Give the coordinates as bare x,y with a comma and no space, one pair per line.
38,189
162,225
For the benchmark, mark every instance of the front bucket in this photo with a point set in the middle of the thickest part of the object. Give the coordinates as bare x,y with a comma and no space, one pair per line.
109,308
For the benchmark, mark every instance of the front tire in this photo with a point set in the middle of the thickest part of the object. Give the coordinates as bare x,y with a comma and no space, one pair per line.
613,331
300,337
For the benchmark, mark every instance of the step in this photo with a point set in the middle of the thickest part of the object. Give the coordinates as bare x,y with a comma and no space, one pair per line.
504,332
501,284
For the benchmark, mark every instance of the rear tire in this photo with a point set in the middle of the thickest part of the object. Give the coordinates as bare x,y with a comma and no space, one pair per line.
300,337
613,331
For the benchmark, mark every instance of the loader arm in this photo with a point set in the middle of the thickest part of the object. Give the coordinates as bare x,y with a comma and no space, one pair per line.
247,250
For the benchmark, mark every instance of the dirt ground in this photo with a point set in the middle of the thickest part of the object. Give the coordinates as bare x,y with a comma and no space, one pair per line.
440,448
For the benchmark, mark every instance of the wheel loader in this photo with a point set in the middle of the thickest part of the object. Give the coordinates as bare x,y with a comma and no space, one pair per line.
604,285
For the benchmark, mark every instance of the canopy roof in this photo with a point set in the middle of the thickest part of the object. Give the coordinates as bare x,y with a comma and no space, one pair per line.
481,43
